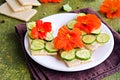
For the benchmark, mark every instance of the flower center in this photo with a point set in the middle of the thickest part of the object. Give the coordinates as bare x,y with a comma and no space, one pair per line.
84,23
68,36
41,30
113,10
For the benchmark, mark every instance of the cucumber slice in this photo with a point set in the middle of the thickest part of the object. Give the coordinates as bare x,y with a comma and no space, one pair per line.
50,47
37,44
68,55
29,34
103,38
81,14
49,36
30,25
97,31
88,39
71,24
83,54
67,7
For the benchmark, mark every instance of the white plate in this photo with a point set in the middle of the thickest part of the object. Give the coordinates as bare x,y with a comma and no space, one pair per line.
99,55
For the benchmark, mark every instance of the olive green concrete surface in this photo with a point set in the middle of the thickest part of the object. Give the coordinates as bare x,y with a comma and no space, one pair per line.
12,61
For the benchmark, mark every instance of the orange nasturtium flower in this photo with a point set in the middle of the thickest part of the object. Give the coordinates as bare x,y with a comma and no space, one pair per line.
41,29
68,39
111,8
52,1
88,23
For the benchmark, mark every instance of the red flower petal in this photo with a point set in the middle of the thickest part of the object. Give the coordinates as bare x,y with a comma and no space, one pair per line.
34,33
41,29
46,1
68,39
111,8
88,23
39,23
47,26
42,35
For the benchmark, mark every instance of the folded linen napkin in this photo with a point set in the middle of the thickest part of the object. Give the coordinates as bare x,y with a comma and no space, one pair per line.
108,67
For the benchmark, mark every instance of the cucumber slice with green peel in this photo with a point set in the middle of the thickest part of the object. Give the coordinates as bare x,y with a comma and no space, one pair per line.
83,54
103,38
97,31
88,39
81,14
71,24
49,36
30,25
67,7
68,55
37,44
50,47
29,34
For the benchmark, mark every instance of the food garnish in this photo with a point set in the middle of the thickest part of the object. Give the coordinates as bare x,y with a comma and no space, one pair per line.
111,8
68,39
88,23
52,1
41,29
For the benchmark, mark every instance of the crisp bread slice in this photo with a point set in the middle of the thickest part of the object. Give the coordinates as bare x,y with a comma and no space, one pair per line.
73,63
16,6
93,46
23,15
30,2
39,52
76,62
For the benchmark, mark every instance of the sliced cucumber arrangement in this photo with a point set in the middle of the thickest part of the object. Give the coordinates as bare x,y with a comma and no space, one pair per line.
68,55
97,31
37,44
29,34
83,54
50,47
103,38
49,36
71,24
88,39
30,25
